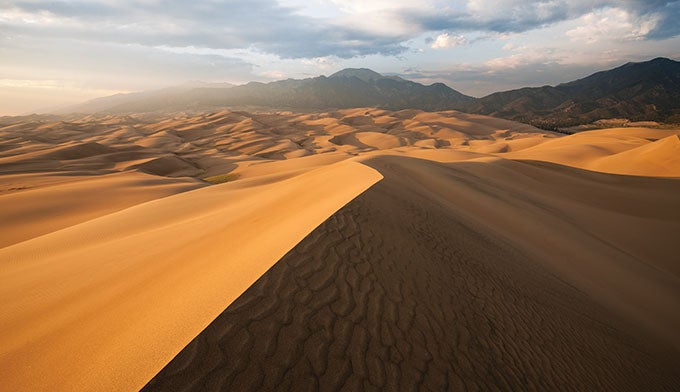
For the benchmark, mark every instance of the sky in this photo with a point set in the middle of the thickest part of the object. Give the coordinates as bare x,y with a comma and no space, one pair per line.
55,53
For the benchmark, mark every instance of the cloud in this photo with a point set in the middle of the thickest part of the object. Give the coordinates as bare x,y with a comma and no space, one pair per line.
667,26
502,16
448,41
612,24
114,66
353,29
513,16
482,79
321,63
236,24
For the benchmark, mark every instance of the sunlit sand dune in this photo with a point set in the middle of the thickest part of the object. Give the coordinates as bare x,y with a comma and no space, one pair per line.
105,303
635,151
37,204
352,249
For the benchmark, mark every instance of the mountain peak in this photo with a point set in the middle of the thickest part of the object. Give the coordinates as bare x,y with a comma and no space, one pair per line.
664,60
364,74
657,61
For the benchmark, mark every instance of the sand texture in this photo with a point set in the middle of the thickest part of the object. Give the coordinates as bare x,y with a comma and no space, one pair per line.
402,289
358,249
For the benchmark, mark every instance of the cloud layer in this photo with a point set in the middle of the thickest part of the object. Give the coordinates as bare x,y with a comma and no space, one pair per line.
286,31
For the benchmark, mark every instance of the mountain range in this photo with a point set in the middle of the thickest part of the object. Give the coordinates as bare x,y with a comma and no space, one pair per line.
348,88
636,91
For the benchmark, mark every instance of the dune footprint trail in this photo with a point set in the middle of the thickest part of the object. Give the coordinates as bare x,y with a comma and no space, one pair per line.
403,289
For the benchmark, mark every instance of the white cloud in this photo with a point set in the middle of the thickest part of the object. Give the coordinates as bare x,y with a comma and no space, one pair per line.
321,63
363,6
446,40
273,74
524,55
612,24
514,61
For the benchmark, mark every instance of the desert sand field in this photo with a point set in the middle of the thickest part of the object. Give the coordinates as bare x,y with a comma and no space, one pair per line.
357,249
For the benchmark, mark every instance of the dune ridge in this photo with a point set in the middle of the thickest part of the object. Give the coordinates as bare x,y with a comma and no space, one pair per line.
110,283
116,253
414,285
631,151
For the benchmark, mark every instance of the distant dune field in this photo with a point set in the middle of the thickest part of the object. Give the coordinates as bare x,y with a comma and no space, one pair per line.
354,249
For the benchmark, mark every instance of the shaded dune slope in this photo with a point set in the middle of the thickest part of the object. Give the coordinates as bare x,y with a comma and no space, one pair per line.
415,285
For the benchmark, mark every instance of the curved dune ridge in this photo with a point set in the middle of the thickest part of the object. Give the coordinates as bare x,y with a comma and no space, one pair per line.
411,286
140,283
355,249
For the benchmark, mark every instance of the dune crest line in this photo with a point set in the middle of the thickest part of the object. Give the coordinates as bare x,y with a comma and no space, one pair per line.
105,304
419,283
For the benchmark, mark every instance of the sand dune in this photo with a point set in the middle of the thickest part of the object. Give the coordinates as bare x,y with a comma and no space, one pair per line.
37,204
658,158
634,151
492,254
411,286
207,144
110,283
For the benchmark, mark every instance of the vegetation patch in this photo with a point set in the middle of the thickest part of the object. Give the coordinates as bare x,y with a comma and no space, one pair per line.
222,178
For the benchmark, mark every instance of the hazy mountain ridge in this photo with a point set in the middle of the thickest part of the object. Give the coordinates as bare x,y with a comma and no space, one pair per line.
143,101
348,88
635,91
